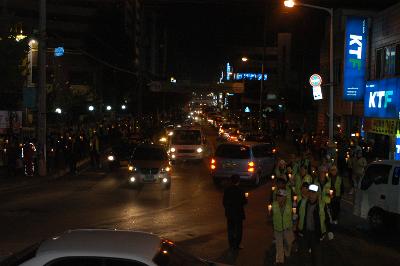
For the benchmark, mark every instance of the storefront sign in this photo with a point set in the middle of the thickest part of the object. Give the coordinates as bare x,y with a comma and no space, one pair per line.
354,58
382,126
382,98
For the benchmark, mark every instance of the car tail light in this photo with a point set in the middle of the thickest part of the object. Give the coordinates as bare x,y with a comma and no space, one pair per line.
213,164
251,167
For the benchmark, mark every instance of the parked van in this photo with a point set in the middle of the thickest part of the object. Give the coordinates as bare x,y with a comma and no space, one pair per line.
251,161
378,196
187,144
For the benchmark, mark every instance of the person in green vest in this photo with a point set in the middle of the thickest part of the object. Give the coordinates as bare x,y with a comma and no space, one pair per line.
305,161
294,163
302,177
313,225
337,189
280,169
281,184
282,217
324,185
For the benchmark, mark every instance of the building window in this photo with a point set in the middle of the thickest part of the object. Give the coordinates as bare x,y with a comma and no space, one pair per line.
397,59
390,60
379,64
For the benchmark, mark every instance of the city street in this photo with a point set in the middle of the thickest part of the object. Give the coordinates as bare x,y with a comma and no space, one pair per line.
190,213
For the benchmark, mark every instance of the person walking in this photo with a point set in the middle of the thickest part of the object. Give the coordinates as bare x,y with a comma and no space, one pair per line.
336,193
234,200
280,169
324,185
300,179
282,224
358,164
313,226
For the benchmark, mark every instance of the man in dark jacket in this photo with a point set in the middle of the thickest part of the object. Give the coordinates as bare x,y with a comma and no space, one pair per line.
234,200
313,226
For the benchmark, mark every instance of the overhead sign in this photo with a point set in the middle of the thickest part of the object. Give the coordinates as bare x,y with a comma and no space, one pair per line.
58,51
354,58
317,93
382,98
249,76
315,80
228,71
247,109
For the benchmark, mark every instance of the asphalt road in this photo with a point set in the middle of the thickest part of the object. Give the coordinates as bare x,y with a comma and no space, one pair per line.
190,213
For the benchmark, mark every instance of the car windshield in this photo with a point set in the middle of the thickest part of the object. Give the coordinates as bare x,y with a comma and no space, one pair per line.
149,154
186,137
171,255
233,151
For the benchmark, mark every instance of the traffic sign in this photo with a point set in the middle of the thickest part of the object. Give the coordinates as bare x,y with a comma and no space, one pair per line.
315,80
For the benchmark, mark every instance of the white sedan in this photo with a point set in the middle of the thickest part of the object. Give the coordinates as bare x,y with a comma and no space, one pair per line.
99,247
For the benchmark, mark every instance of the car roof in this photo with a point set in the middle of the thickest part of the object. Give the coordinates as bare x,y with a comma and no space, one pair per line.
391,162
125,244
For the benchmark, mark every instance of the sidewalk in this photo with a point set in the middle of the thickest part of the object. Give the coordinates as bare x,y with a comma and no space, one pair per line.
18,182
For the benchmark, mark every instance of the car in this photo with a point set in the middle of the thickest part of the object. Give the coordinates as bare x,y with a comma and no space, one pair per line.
378,196
261,138
187,144
251,161
85,247
149,164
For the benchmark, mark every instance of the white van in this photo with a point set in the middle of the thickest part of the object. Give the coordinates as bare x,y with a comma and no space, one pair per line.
378,196
187,144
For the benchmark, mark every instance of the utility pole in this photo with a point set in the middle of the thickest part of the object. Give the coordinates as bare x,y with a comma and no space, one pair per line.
42,110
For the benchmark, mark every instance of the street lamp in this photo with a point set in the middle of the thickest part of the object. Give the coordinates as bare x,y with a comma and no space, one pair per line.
108,108
244,59
91,108
123,107
291,3
58,110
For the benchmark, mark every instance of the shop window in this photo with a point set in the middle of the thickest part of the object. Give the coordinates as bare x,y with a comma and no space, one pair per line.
390,60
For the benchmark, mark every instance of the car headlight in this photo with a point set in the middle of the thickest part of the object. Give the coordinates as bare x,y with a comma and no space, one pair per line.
132,168
110,158
199,150
132,179
165,180
163,139
165,169
170,133
173,149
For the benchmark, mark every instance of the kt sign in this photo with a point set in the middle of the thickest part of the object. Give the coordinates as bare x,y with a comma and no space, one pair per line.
355,58
382,98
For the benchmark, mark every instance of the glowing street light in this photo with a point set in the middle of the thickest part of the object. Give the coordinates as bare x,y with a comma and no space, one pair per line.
289,3
91,108
123,107
58,110
108,108
245,59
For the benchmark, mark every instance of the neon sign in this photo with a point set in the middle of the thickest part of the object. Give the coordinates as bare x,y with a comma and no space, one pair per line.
382,98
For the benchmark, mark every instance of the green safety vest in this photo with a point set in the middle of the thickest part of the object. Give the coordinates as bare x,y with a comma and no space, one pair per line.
338,186
325,196
278,172
302,213
281,221
288,193
299,182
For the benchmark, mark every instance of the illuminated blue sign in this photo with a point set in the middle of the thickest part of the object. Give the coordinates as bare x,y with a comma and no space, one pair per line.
354,58
249,76
228,71
59,51
382,98
247,109
397,148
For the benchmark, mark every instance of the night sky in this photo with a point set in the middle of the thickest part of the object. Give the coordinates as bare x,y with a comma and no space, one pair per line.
200,31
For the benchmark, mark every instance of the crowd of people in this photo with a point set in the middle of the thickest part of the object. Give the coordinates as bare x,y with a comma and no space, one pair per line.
304,206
